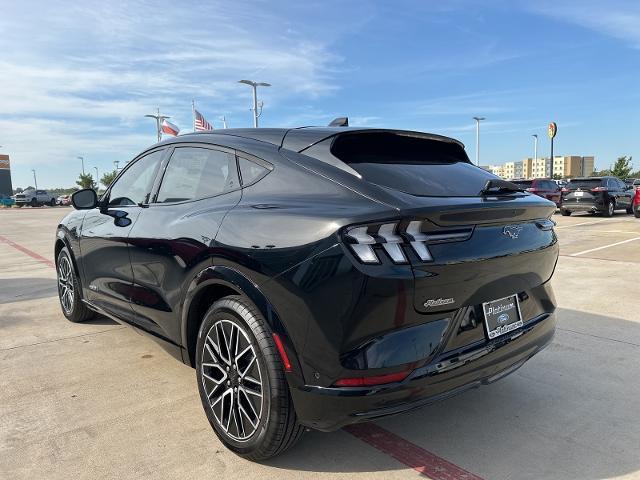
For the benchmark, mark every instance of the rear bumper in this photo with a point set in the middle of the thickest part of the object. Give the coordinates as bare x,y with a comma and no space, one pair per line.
584,207
446,375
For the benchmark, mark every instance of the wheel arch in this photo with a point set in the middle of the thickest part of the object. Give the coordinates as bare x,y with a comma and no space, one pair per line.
217,282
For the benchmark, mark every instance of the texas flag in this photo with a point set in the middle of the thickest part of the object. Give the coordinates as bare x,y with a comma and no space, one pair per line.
169,128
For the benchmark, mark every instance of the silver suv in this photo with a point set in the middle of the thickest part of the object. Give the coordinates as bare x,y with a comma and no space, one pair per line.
34,198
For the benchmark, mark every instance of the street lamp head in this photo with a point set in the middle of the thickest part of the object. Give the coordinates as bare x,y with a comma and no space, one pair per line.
477,119
247,82
264,84
535,135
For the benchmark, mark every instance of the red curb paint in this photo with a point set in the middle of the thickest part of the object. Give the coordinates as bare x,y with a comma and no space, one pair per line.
31,253
422,461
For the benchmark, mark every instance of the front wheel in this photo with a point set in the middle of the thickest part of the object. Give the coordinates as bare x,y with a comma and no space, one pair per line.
69,291
565,213
34,202
53,202
242,383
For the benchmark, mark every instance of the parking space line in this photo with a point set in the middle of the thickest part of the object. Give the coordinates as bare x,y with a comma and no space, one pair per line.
579,224
26,251
604,246
421,460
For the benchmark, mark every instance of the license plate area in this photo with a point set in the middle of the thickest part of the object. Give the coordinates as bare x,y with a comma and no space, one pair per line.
579,194
502,316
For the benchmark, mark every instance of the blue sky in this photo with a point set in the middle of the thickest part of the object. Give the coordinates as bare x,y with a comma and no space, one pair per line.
77,78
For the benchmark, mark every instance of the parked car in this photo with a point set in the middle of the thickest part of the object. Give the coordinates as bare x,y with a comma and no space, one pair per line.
315,277
64,200
543,187
596,195
35,198
636,203
6,200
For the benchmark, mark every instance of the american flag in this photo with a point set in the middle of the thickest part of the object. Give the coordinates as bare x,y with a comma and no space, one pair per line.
200,123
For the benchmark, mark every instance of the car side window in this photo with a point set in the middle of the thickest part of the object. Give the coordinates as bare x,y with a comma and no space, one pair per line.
195,173
251,171
135,184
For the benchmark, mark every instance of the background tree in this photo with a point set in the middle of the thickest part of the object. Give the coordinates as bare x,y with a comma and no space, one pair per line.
622,168
108,178
601,173
86,181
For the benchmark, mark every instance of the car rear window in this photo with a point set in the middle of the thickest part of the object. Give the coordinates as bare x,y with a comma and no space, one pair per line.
411,164
588,183
523,183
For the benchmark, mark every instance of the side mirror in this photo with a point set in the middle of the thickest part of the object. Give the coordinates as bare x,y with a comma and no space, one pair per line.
85,199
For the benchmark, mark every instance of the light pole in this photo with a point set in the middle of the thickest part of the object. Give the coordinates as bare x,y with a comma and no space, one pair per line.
478,120
224,121
255,86
116,162
97,176
535,147
159,118
82,160
34,178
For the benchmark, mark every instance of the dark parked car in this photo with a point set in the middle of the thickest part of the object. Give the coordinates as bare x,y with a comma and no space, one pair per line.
596,195
542,187
315,277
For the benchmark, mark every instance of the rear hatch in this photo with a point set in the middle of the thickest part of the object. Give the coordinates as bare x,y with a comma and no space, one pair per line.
579,191
481,246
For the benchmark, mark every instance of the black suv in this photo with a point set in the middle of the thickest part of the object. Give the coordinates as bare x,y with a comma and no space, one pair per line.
596,195
315,277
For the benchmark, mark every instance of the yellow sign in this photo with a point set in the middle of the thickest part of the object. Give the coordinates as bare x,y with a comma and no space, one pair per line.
553,129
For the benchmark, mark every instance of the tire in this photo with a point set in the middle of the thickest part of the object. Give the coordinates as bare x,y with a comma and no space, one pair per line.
34,202
267,425
611,208
565,213
69,290
636,212
53,202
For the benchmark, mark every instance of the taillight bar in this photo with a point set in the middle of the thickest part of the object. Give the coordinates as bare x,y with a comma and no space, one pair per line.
362,239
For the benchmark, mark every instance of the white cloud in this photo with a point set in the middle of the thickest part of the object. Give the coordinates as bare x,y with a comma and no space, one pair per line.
615,18
79,76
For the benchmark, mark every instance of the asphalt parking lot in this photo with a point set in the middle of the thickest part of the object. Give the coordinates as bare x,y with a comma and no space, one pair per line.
98,400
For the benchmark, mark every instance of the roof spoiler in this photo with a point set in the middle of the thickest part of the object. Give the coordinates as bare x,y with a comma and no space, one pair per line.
340,122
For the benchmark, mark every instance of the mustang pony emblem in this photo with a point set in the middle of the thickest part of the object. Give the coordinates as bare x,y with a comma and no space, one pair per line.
512,231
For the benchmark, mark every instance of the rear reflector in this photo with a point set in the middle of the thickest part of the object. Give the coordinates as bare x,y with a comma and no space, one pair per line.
371,381
283,353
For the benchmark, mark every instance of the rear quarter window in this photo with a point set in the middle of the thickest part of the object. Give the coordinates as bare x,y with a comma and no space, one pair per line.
584,184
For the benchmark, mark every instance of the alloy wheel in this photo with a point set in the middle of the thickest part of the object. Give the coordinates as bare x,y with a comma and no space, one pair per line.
611,208
65,284
232,380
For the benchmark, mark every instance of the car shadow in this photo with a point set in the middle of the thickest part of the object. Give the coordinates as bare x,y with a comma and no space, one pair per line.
23,289
570,413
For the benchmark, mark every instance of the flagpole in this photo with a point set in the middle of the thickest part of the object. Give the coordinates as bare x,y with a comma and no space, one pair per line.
193,113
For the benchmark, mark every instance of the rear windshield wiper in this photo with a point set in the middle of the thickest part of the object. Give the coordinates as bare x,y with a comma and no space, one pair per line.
498,187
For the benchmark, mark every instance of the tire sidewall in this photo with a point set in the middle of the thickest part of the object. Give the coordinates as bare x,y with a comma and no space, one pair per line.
232,310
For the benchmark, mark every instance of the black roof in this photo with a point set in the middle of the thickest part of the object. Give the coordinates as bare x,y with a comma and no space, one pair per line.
298,139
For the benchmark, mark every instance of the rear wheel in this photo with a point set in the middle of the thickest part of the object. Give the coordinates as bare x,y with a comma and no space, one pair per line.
565,213
241,381
69,291
611,208
636,211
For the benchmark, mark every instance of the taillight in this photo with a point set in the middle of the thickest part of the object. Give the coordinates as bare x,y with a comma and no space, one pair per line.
599,189
532,190
565,190
368,242
371,381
